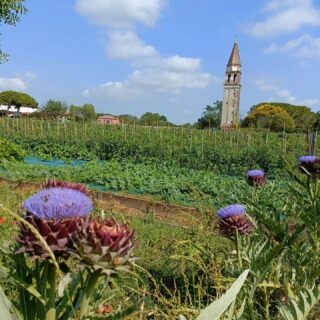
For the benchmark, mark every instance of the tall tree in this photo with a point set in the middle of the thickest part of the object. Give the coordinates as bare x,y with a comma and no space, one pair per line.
128,119
54,109
17,99
89,112
269,116
211,117
153,119
301,115
76,112
86,112
10,13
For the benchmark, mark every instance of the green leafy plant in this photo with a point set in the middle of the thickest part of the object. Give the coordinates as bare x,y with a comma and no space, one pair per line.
11,151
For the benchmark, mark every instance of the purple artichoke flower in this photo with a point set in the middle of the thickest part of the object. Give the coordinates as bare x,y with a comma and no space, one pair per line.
231,211
55,213
307,159
232,218
256,178
65,184
310,165
58,203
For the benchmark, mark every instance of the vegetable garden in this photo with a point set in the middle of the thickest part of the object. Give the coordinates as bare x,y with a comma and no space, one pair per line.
254,256
229,153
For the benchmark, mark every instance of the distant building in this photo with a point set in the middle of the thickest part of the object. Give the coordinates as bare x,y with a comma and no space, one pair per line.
232,87
24,111
106,119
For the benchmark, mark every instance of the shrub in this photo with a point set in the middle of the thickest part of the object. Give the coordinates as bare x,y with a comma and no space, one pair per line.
268,116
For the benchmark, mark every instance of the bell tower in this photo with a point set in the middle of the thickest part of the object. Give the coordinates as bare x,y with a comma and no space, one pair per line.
232,87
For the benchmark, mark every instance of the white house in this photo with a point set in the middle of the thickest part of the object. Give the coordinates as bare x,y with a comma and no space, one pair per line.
13,109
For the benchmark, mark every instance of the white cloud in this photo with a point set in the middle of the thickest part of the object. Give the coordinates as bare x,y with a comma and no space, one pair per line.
310,102
286,16
16,83
305,46
274,88
151,80
114,89
127,45
121,13
284,94
166,80
154,73
181,63
274,5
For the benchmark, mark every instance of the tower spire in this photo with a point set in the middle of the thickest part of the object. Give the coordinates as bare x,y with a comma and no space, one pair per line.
235,55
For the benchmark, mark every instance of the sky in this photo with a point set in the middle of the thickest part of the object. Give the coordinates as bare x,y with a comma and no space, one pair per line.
165,56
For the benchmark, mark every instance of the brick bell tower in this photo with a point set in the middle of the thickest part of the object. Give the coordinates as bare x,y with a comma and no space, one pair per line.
232,87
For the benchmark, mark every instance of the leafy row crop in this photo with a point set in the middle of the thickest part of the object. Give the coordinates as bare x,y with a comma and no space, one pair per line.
163,182
229,153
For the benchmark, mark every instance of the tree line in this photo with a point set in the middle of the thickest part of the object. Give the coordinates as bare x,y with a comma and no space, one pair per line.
274,116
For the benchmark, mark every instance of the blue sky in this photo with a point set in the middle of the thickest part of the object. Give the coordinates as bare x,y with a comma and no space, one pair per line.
166,56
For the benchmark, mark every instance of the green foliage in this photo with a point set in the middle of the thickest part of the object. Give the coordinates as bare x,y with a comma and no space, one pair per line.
83,113
301,115
211,117
153,119
229,153
182,271
300,307
219,307
128,119
11,151
17,99
89,112
268,116
76,112
53,109
6,307
10,12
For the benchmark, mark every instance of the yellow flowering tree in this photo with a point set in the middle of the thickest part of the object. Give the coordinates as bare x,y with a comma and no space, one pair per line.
268,116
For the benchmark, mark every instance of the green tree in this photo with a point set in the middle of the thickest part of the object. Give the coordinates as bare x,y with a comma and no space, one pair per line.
17,99
54,109
211,117
76,113
301,115
128,119
10,12
89,112
153,119
268,116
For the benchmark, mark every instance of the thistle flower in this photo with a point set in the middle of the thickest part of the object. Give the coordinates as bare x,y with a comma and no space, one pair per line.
256,178
232,218
104,244
310,165
65,184
54,212
58,203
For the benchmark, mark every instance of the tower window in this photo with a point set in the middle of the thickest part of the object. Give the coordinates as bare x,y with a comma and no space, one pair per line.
234,78
229,77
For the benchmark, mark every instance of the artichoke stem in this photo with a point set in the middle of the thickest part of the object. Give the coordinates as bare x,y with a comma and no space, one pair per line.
51,293
88,290
238,248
